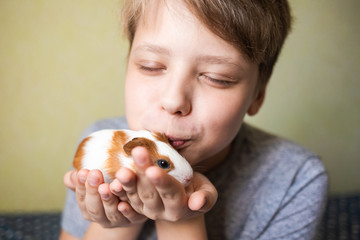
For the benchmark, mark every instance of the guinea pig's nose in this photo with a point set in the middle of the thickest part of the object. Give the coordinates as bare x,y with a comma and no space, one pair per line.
187,181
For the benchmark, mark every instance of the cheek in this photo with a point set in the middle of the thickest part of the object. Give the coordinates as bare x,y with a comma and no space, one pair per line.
222,121
224,112
139,97
133,101
223,128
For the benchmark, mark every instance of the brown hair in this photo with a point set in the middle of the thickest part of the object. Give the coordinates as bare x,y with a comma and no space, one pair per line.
257,28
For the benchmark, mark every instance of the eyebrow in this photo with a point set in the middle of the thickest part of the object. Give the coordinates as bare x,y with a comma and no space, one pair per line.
211,59
153,48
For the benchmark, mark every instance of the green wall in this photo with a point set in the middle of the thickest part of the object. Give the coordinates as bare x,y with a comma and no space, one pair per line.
313,97
62,67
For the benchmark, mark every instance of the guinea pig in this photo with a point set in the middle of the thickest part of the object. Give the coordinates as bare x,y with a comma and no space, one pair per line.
109,149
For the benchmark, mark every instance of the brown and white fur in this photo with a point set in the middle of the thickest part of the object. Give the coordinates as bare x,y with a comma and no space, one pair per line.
108,150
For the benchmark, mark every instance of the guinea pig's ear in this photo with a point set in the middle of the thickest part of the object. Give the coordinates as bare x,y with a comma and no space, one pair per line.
136,142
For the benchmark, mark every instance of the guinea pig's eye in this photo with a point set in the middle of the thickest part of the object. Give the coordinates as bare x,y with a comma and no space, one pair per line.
163,164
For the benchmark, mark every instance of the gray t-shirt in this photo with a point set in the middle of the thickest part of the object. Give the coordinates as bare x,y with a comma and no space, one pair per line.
269,188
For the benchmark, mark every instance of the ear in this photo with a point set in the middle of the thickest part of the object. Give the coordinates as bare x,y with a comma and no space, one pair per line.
257,103
136,142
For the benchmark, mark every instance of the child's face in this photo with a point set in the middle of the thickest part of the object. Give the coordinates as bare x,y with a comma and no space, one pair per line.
186,82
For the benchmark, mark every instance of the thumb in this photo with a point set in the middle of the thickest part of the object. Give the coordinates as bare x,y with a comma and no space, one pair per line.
204,196
202,201
70,179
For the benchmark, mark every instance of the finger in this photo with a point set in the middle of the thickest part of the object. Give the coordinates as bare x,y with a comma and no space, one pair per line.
152,204
110,203
130,214
117,189
171,191
70,179
198,201
93,200
141,159
81,191
148,194
204,196
127,179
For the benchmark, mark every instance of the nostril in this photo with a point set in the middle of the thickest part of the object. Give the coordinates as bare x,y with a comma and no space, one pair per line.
176,105
187,181
177,110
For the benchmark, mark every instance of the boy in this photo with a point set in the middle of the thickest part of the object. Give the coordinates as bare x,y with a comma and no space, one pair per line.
195,68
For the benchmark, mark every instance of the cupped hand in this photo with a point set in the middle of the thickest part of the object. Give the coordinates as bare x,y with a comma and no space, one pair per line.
155,194
96,201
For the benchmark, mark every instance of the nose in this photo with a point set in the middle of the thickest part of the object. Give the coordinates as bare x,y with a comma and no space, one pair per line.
176,97
186,181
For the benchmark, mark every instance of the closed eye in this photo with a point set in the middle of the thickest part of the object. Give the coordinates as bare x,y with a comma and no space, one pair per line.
217,81
150,69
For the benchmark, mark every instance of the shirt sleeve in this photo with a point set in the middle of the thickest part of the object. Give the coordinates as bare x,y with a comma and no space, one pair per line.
72,221
302,207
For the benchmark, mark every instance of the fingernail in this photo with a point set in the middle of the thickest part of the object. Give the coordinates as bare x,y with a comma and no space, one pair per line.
122,209
93,181
115,186
105,196
203,206
82,178
140,161
125,211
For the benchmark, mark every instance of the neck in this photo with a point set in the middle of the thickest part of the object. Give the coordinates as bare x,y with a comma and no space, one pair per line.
213,161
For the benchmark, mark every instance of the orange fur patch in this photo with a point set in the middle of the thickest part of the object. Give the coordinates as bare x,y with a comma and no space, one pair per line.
80,152
113,163
161,137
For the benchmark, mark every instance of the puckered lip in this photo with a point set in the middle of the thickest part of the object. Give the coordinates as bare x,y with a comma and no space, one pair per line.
178,143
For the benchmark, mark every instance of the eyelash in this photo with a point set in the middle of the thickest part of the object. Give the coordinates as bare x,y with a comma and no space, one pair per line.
155,70
150,69
218,81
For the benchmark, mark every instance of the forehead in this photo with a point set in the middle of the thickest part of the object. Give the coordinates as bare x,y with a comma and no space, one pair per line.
168,28
157,15
153,10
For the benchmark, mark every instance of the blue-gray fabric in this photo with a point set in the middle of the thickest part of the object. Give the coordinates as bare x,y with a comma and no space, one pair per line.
269,188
